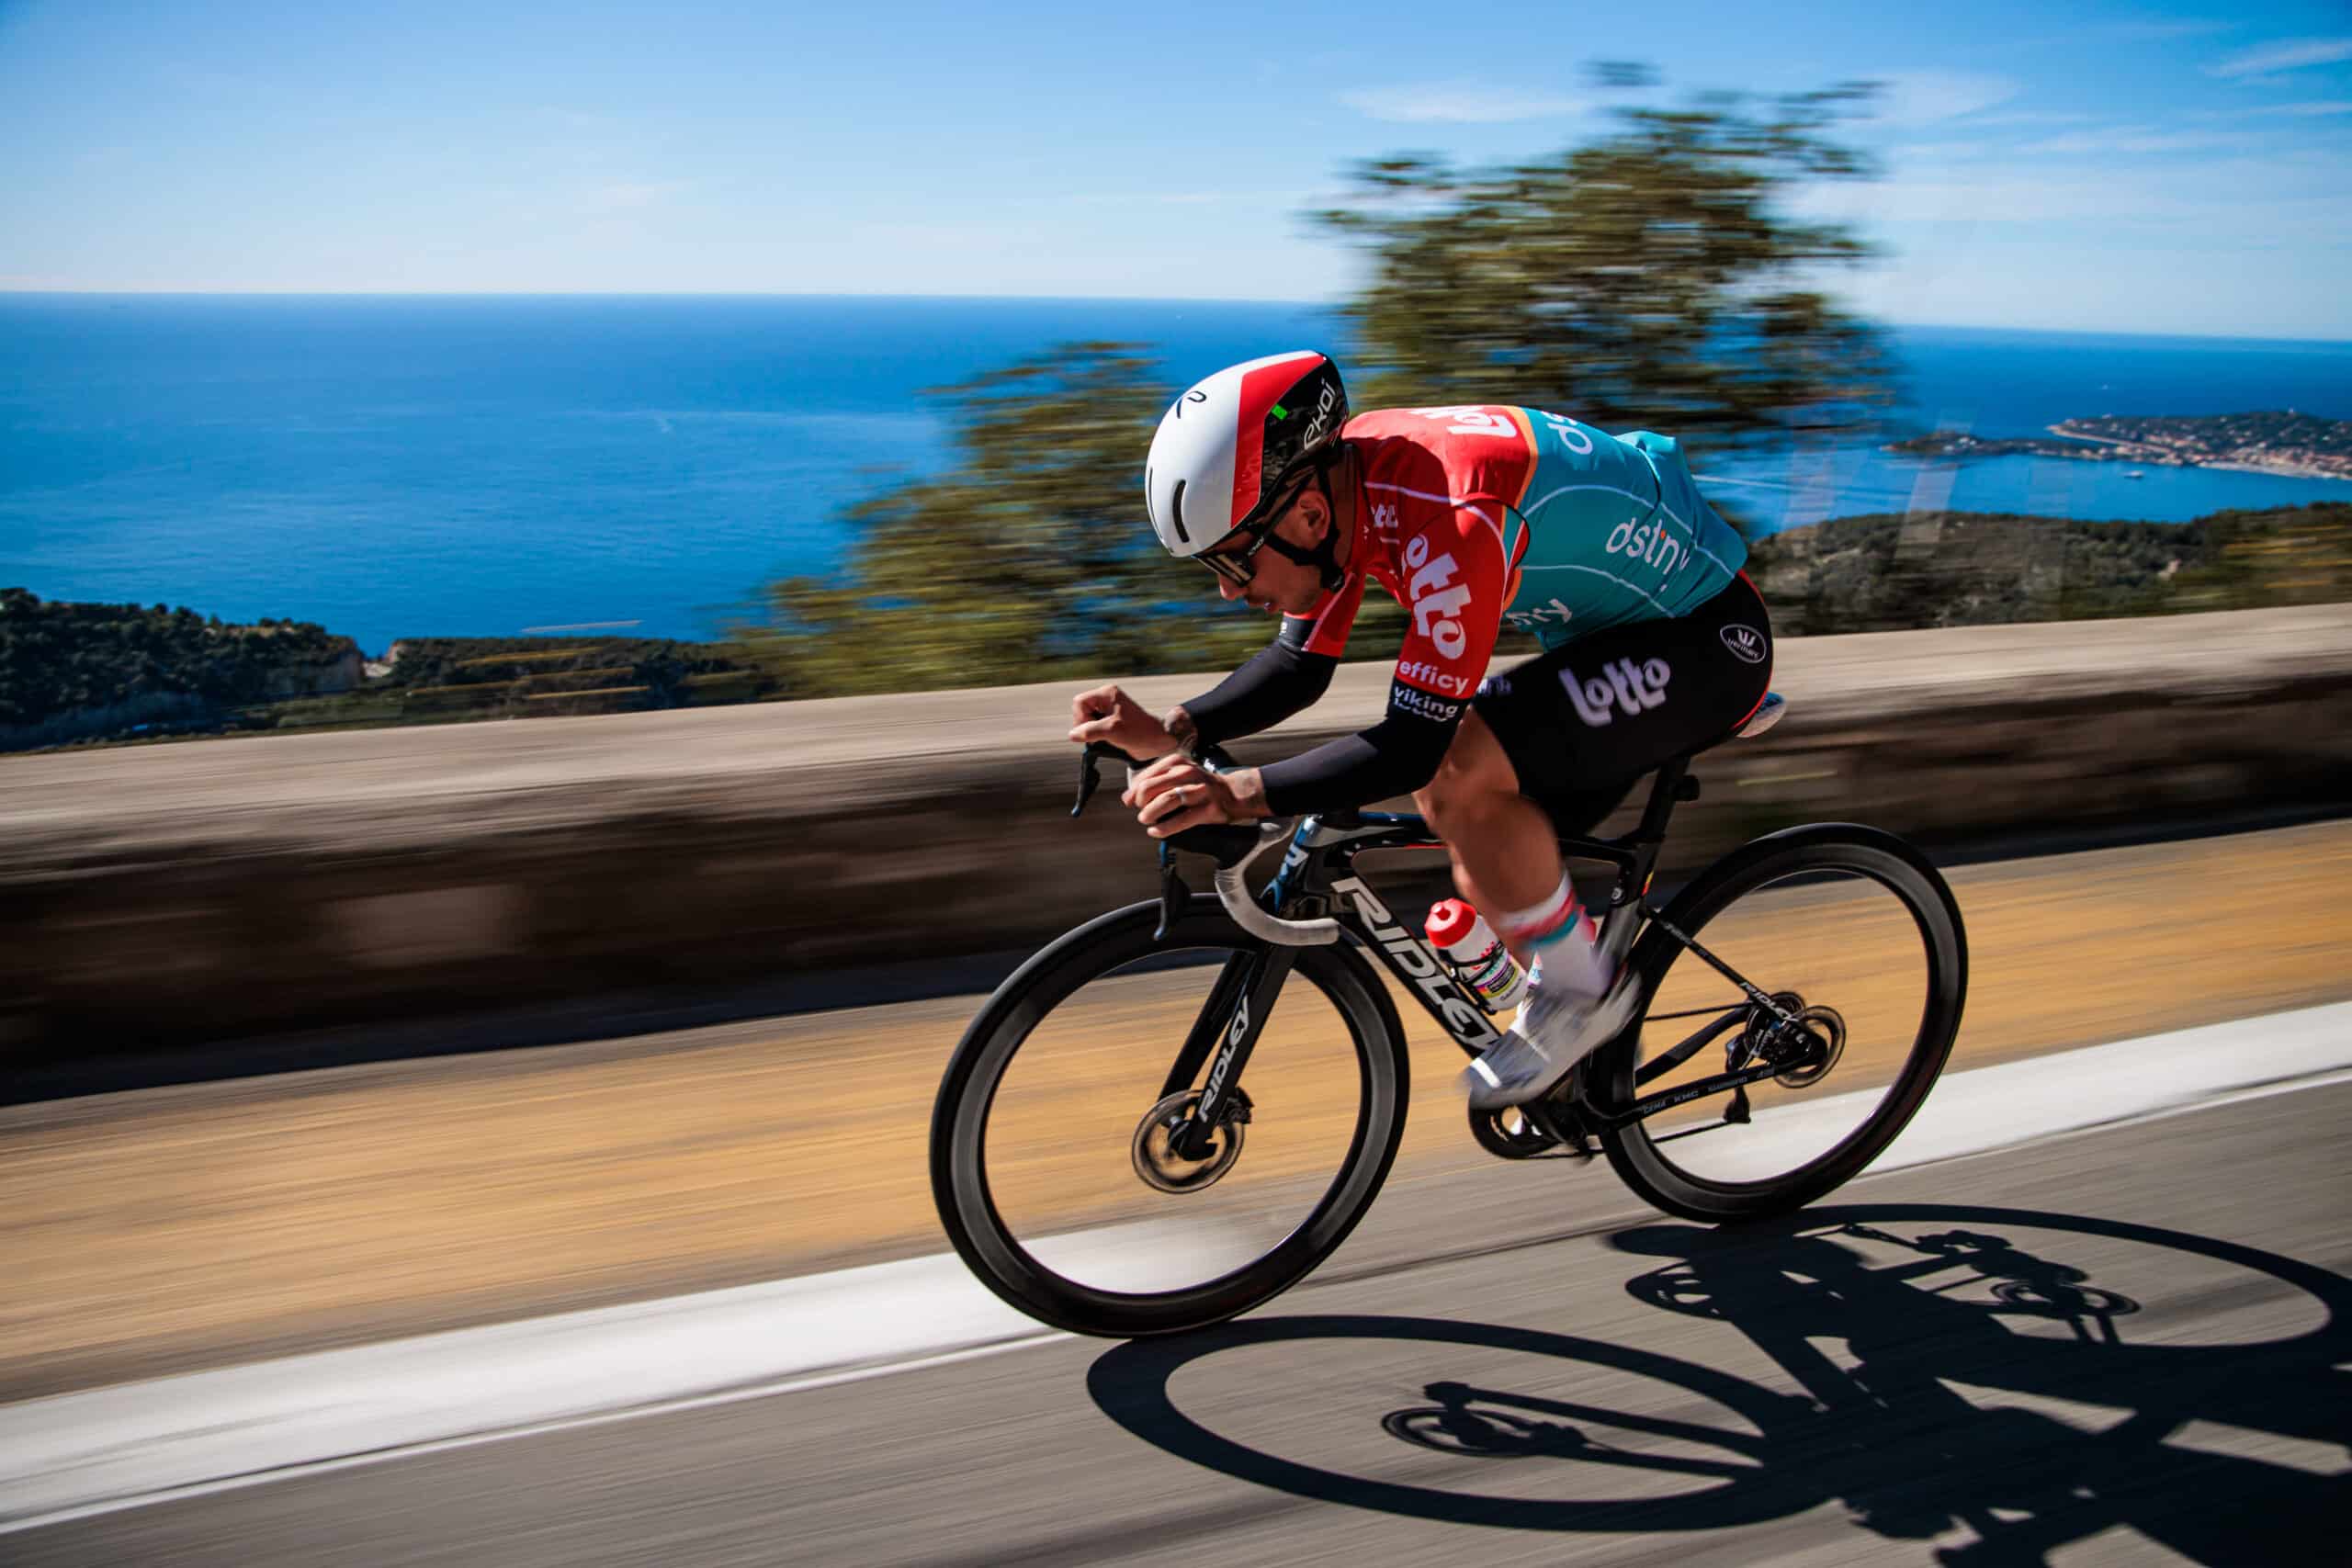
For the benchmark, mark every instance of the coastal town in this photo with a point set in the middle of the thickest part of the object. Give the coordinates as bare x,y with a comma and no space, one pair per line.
2274,443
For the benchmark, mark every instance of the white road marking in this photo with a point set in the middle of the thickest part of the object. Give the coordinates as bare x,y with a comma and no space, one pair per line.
2310,1455
76,1455
1987,1107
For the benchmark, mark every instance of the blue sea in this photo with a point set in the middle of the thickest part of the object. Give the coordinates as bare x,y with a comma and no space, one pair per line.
399,467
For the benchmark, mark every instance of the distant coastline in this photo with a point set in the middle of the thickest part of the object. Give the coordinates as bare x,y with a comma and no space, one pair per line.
81,673
400,467
2288,442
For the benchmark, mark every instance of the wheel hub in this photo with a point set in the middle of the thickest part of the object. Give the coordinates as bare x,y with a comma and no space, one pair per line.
1765,1038
1803,1042
1813,1045
1156,1156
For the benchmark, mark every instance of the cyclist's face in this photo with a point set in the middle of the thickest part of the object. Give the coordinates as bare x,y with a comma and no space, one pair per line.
1275,582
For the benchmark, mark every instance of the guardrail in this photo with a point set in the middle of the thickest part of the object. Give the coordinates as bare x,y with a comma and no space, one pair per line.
159,895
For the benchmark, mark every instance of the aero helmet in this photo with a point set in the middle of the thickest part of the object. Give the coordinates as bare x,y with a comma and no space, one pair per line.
1226,448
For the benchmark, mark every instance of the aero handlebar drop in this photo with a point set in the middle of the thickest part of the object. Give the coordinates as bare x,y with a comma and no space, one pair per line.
1232,846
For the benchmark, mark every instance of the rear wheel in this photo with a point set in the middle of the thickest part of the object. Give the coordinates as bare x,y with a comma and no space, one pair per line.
1062,1161
1857,939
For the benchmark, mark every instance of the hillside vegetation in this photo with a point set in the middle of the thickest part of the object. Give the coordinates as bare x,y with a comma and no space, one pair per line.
70,671
80,673
109,673
518,677
1963,569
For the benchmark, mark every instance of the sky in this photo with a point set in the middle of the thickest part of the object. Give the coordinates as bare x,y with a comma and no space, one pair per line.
2096,167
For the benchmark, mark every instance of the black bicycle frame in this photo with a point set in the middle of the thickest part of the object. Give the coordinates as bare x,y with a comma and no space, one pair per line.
1317,877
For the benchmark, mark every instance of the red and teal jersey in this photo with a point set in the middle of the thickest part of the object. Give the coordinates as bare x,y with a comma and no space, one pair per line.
1475,516
1471,517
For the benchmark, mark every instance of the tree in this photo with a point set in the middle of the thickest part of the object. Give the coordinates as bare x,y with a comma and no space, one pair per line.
1027,560
1653,279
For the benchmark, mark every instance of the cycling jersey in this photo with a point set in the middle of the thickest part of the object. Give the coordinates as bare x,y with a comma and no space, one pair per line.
1470,516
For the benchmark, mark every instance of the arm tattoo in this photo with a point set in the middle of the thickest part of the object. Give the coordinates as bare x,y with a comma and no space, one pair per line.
1181,728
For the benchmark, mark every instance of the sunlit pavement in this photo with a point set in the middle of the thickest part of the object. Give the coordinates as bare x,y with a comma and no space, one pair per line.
178,1228
1422,1218
161,1439
2098,1346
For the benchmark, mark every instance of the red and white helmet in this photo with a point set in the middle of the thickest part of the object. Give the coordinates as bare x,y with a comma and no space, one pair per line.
1228,447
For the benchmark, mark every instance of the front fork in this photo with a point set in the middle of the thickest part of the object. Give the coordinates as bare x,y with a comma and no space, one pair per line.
1228,1025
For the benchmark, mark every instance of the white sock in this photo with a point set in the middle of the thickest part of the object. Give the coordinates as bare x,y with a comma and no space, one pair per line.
1563,939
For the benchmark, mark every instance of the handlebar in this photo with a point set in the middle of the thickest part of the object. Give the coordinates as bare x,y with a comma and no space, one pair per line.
1233,892
1232,845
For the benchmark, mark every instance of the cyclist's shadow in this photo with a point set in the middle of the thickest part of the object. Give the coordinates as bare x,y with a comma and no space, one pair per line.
1923,1297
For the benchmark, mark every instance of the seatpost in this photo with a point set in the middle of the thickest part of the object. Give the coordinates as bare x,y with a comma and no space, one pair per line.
1671,777
1673,784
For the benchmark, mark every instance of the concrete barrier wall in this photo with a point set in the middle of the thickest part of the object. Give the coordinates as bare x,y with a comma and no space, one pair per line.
151,896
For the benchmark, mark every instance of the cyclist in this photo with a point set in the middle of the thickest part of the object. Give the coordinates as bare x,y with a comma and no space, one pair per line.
1656,644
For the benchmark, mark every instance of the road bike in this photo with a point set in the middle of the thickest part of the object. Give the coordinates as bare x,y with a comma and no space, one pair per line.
1087,1143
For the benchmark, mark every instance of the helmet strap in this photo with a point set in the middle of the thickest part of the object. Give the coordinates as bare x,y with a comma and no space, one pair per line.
1324,553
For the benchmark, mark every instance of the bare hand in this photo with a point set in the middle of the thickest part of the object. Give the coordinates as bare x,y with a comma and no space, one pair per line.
1176,792
1108,713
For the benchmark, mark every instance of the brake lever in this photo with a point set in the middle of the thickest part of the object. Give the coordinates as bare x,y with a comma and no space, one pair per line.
1173,893
1089,777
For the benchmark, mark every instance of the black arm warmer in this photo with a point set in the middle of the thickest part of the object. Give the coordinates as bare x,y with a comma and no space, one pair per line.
1396,756
1279,680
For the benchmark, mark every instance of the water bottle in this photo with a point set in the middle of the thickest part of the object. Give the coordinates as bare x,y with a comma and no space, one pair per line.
1476,954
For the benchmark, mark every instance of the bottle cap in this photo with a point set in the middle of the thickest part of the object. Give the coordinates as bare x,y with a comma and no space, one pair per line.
1450,920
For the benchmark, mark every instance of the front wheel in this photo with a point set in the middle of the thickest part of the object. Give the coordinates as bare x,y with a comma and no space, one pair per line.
1062,1160
1857,939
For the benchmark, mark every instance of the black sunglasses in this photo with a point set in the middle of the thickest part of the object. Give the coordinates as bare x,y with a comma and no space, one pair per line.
1237,567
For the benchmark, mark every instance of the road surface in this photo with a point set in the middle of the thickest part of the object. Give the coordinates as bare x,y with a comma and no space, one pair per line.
2127,1344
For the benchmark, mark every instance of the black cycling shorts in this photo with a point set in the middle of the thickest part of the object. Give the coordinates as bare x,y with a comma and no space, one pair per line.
1583,722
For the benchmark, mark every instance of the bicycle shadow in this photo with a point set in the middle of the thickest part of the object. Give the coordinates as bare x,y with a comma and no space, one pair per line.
1880,1428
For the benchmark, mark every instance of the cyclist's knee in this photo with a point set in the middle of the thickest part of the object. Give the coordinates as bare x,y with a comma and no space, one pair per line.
1472,782
1458,799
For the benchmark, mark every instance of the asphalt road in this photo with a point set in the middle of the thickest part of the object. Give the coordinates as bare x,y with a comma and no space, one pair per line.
2127,1345
177,1228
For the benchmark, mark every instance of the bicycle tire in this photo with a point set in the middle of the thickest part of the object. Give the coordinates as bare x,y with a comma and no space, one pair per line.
1834,846
959,1168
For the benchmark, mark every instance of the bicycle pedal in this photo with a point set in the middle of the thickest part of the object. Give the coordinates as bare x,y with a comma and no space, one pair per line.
1566,1130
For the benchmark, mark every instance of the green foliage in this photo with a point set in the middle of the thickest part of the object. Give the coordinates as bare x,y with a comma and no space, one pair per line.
79,673
2286,556
519,677
1649,278
1893,572
1028,560
1652,279
72,668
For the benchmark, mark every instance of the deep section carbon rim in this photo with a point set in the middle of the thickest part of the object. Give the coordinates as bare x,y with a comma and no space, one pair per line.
1057,1156
1856,938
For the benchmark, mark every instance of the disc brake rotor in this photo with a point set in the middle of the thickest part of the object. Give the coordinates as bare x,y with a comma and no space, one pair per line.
1156,1158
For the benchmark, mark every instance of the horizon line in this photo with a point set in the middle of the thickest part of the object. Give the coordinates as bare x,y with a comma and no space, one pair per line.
486,294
